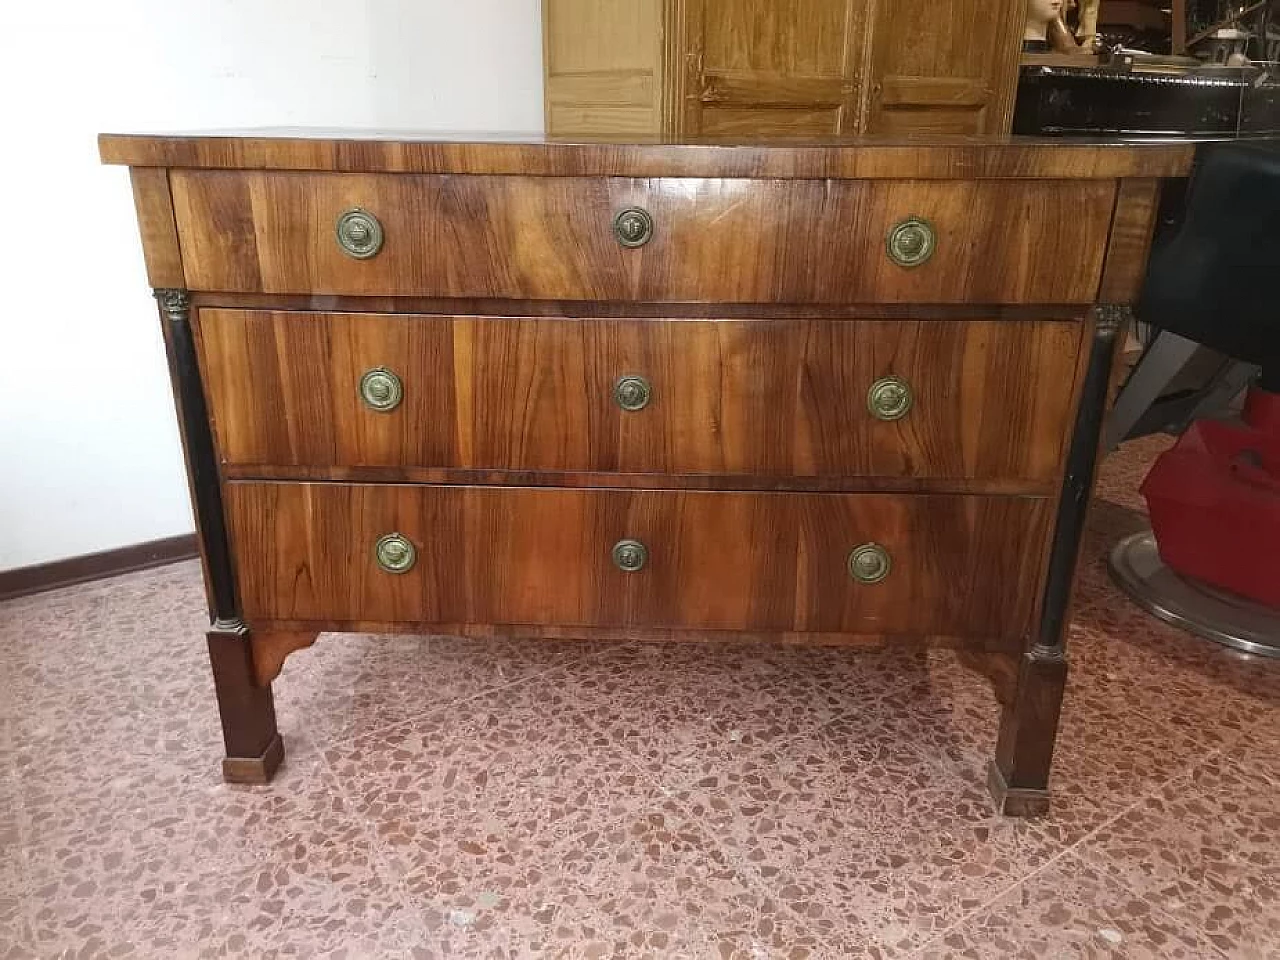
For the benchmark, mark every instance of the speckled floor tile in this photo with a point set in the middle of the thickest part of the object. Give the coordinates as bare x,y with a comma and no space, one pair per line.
681,711
15,890
937,703
1203,704
348,684
847,831
98,643
1127,628
1260,750
1217,864
952,716
1107,761
520,830
445,792
1070,911
447,798
1122,471
651,883
15,886
178,858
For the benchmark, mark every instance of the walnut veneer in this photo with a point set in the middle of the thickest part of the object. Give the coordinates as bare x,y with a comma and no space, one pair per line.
838,392
716,240
778,398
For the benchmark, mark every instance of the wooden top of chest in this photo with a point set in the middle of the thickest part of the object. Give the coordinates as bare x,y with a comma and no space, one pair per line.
369,151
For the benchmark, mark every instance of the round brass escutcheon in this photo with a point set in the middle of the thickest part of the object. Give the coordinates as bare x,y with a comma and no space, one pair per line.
359,234
869,563
630,556
890,398
381,390
633,227
632,393
912,242
395,553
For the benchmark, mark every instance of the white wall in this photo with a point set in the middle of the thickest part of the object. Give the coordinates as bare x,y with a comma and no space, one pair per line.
89,454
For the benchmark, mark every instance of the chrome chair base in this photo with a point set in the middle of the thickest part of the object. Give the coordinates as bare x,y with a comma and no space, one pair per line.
1214,614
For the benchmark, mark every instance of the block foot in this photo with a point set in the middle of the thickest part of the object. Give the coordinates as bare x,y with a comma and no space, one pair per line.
255,769
1016,801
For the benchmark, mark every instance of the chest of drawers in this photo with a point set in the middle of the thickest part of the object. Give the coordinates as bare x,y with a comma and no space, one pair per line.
836,392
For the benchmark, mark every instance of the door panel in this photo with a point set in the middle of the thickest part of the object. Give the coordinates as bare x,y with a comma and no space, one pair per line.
944,67
773,66
603,66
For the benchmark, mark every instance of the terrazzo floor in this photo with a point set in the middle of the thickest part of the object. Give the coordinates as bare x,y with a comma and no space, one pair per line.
444,798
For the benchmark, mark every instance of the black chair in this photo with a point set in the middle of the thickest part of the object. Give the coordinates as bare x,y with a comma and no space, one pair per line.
1212,293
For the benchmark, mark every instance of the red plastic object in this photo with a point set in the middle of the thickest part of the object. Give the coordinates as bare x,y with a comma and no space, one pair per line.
1215,502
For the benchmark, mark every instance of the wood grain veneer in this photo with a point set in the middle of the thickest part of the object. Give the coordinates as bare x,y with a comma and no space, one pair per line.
760,312
738,561
154,206
1137,204
714,240
635,309
887,158
758,398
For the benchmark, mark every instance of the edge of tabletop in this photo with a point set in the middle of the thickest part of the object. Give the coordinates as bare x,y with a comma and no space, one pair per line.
941,158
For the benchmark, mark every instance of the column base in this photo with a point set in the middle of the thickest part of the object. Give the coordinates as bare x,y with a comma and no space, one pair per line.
1016,801
257,770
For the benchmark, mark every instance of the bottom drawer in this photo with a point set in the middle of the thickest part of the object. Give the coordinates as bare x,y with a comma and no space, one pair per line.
822,562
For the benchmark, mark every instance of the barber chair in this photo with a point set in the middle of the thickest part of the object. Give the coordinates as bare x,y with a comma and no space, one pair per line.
1211,562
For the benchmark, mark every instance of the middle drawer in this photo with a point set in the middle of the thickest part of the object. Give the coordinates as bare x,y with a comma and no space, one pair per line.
985,401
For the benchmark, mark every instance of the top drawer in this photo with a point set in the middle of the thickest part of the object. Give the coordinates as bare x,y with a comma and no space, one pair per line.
725,241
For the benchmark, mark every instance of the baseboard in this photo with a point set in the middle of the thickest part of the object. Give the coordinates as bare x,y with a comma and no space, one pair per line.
96,566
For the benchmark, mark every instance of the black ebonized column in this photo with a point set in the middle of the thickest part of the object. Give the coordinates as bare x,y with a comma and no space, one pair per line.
1019,777
254,748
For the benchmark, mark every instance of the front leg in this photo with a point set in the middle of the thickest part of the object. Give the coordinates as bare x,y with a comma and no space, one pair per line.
244,664
248,712
1019,777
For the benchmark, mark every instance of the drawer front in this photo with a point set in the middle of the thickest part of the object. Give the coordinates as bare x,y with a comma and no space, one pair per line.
711,560
973,400
745,241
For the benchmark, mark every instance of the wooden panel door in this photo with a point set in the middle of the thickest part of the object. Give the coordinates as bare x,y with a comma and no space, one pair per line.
947,68
759,67
602,61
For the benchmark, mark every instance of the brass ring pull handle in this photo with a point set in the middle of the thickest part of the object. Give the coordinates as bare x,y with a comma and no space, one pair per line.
630,556
890,398
381,390
869,563
395,553
359,234
632,393
912,242
633,227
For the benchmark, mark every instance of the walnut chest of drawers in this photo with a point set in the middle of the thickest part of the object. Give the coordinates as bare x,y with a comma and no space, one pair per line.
839,392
